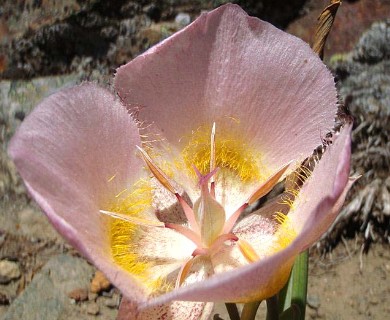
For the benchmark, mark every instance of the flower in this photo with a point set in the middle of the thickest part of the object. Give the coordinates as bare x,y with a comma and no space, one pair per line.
219,113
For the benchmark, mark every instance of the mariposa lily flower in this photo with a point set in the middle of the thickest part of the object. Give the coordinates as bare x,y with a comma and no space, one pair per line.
153,187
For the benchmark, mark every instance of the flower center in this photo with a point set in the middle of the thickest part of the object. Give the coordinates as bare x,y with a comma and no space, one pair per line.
209,227
207,218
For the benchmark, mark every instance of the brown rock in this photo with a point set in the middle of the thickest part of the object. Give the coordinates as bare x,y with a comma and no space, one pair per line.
9,271
3,299
92,296
93,309
99,283
79,294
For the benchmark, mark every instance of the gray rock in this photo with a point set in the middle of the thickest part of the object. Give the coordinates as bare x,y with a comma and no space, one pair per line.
33,224
46,296
113,302
9,271
183,19
313,301
18,98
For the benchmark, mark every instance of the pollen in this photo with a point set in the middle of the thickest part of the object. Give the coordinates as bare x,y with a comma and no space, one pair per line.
285,233
231,155
123,235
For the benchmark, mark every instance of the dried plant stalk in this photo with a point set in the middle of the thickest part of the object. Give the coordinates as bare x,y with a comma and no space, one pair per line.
325,22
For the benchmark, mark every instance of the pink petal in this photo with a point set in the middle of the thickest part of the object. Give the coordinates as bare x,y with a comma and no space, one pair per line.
177,310
200,269
75,152
228,65
321,198
165,248
323,195
257,231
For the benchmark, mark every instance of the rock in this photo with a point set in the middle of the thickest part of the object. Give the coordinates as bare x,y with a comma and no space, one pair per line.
79,294
93,308
9,271
17,99
99,283
45,297
362,306
34,224
183,19
113,302
20,97
3,299
92,296
313,301
374,300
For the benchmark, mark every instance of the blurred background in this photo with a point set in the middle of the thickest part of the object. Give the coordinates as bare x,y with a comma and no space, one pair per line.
50,44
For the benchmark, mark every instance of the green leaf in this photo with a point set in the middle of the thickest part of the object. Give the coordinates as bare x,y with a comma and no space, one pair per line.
291,313
292,298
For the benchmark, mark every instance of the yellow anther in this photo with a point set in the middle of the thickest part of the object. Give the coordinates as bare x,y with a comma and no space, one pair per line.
184,271
268,185
247,250
133,219
157,172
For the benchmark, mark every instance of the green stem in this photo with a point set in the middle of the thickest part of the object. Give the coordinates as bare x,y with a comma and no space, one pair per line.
273,308
232,311
299,289
249,311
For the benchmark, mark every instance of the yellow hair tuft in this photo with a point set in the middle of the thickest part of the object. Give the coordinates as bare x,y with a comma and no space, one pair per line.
285,233
231,155
124,235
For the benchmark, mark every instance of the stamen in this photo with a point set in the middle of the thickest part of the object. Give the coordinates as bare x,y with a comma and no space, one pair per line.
132,219
221,240
157,172
268,185
229,224
200,251
183,273
247,251
260,192
217,243
188,233
164,180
